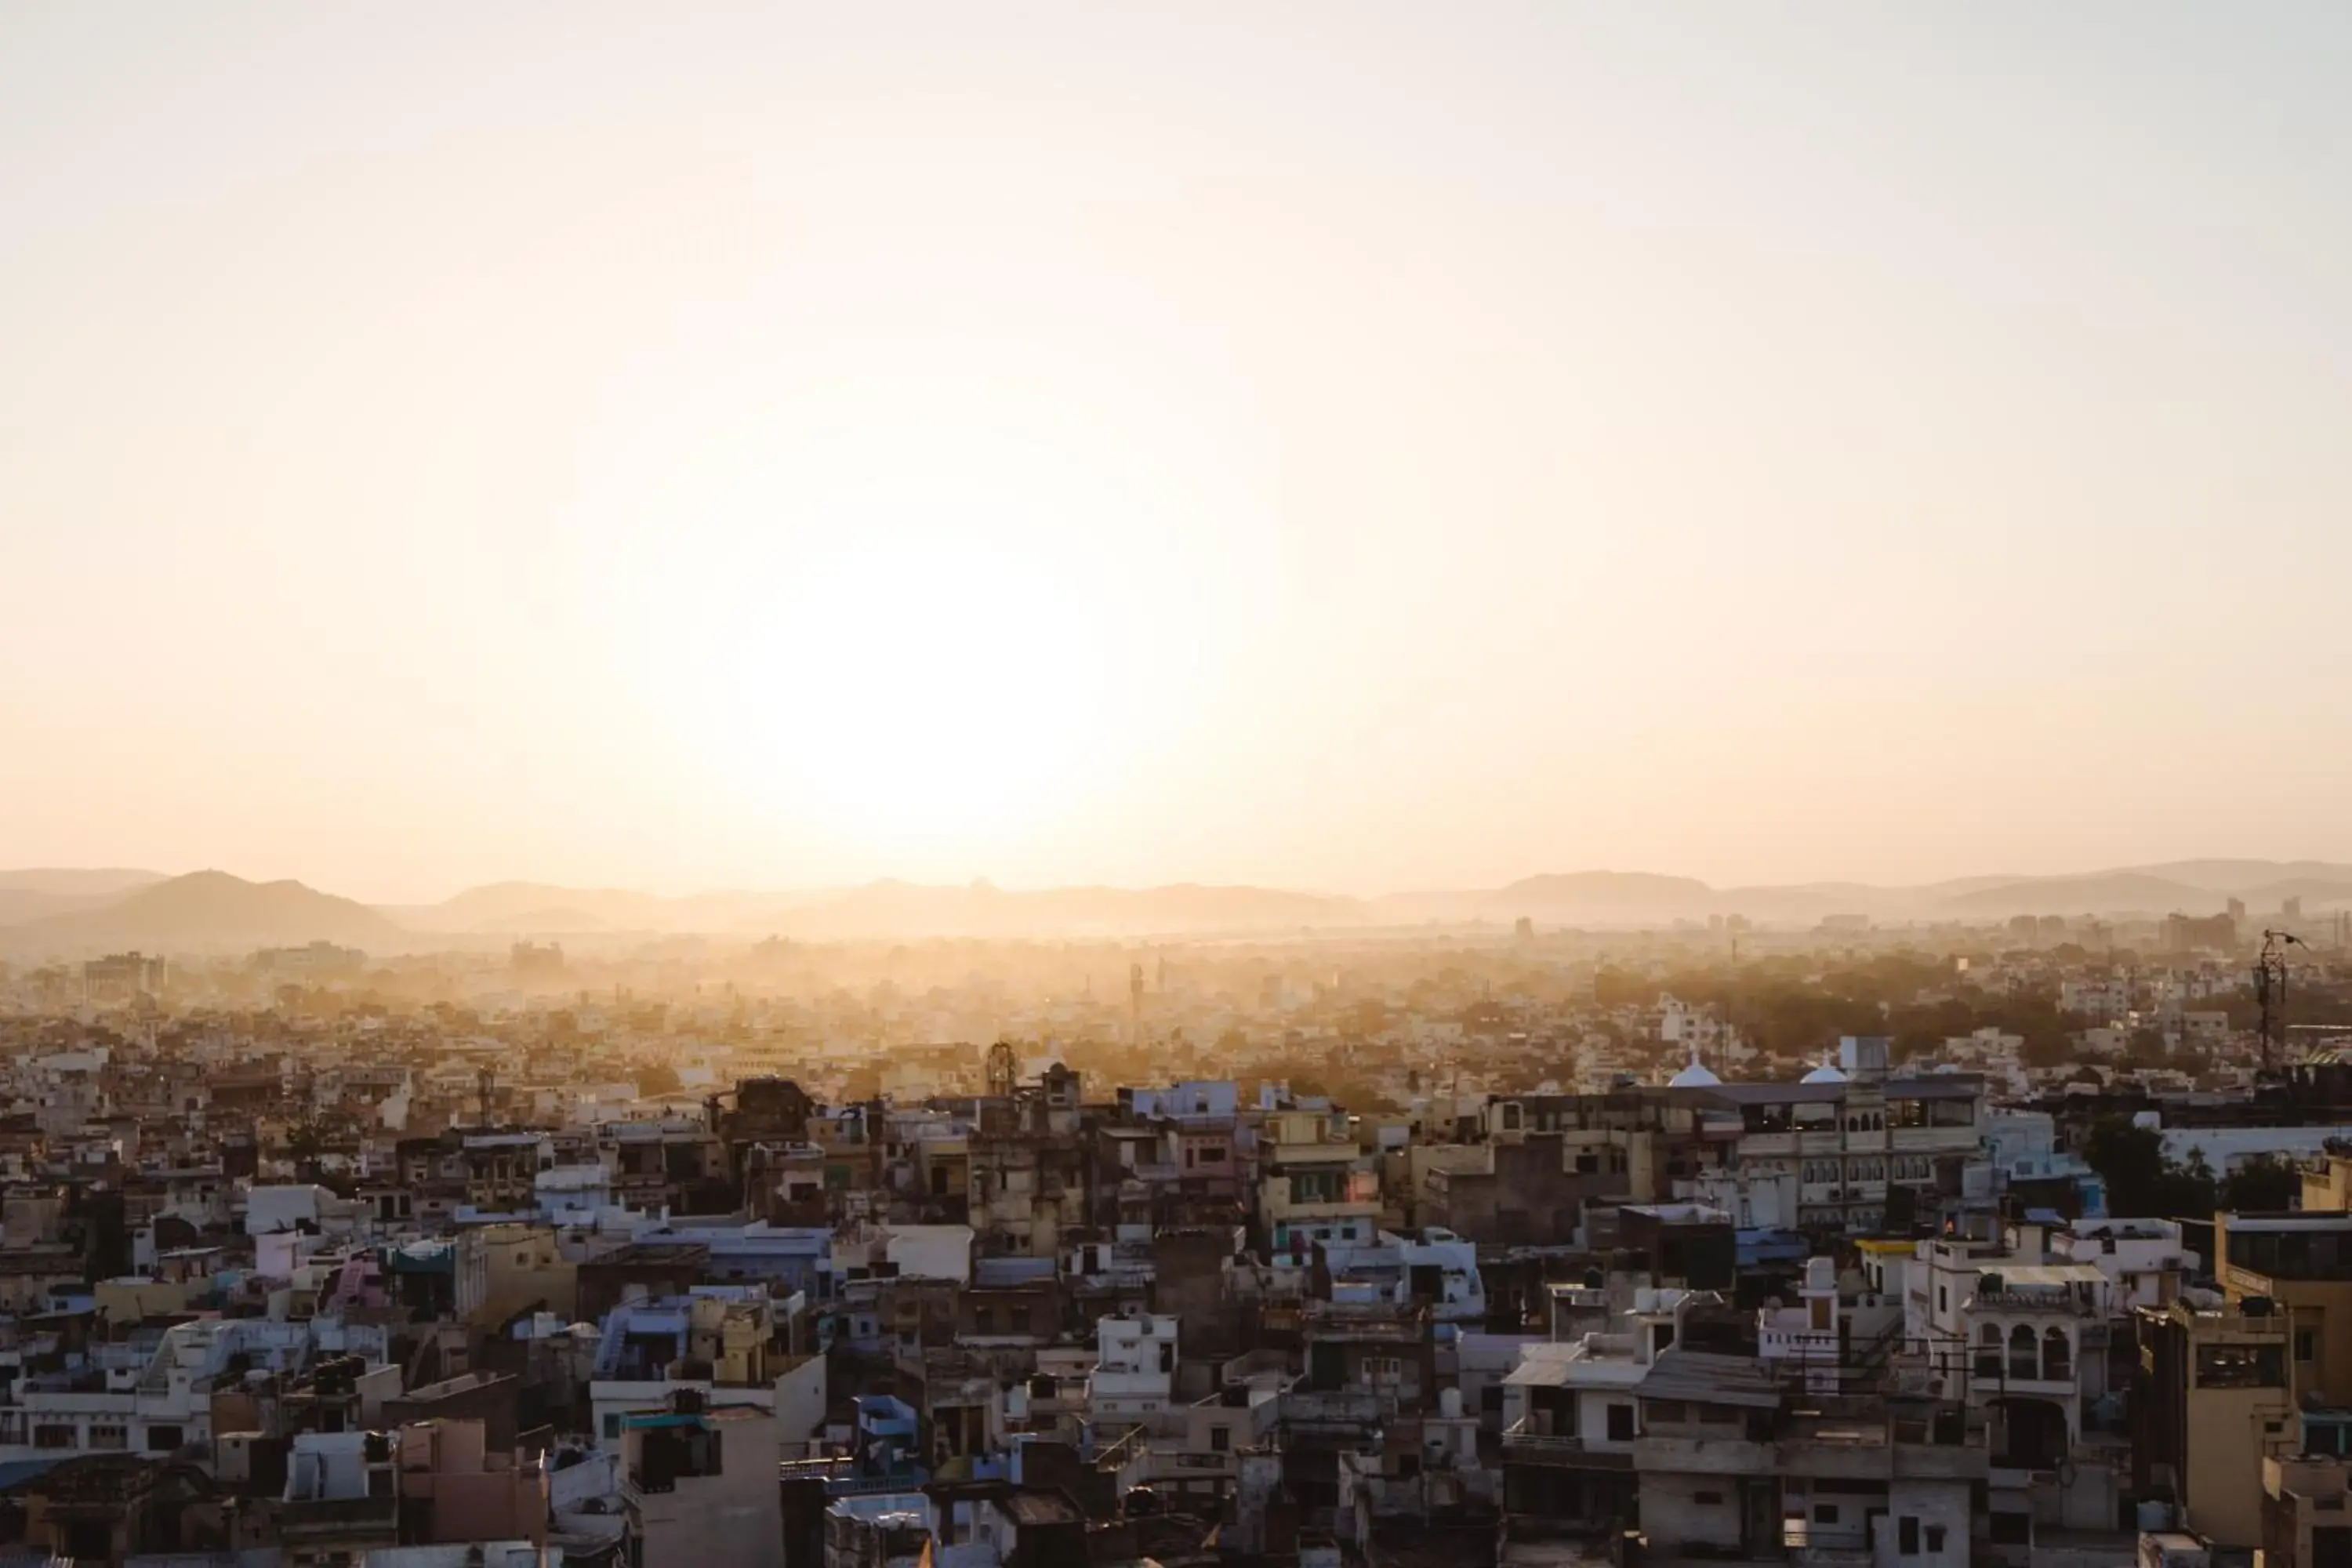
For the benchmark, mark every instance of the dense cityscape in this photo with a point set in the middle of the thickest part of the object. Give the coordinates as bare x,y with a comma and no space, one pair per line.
1900,1243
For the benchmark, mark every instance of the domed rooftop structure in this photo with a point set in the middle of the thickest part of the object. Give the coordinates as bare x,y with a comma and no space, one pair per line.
1825,1073
1695,1076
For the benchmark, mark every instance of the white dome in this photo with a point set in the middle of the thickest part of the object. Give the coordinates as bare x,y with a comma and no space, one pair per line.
1825,1073
1694,1076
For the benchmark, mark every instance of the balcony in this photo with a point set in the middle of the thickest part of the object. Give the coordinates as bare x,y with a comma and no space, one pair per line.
1523,1444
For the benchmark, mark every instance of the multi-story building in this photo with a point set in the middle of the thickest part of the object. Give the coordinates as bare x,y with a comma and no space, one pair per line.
2213,1400
1316,1183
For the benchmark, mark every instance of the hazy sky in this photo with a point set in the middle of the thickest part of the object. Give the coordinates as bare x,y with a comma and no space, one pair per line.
1359,446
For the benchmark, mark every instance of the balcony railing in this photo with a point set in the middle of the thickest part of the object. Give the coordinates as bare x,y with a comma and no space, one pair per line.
1527,1444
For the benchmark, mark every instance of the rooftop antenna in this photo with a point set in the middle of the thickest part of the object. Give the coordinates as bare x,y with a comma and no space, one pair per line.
2269,988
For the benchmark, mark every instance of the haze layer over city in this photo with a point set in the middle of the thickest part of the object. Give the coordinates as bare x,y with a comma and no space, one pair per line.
1312,785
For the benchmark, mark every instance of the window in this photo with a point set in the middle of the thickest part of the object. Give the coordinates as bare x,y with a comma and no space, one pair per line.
2057,1355
1221,1440
984,1319
1988,1359
1620,1423
2241,1366
53,1436
162,1439
1667,1410
1943,1299
1907,1535
1934,1538
1825,1513
109,1437
611,1428
2307,1345
2012,1530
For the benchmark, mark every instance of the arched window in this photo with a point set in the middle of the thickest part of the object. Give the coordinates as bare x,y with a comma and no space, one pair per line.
2024,1360
2057,1355
1987,1363
1877,1121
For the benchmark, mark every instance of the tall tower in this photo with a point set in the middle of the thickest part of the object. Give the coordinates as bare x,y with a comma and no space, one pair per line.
1135,1003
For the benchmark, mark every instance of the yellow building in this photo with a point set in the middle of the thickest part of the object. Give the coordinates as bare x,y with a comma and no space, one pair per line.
2220,1404
2302,1263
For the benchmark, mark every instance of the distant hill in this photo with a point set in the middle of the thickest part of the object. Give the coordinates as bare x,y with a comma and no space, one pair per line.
63,912
1570,898
214,912
2248,880
37,893
2317,893
500,905
2117,892
511,907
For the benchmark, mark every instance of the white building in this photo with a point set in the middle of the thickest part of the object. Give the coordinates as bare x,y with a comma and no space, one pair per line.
2143,1259
1135,1367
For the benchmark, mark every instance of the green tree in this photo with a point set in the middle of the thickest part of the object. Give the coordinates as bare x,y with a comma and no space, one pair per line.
2140,1185
659,1077
2262,1185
